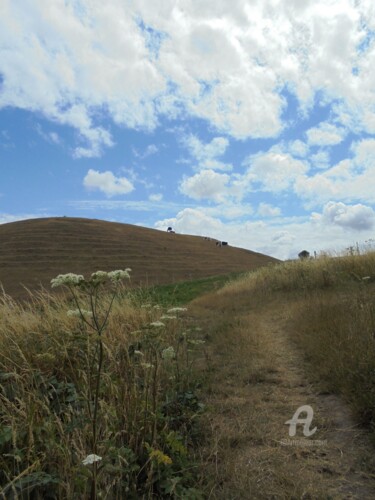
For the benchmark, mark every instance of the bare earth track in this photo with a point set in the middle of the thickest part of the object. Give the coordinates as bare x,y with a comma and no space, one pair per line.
34,251
257,383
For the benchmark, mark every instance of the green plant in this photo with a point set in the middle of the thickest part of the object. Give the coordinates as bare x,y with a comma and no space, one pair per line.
85,379
96,319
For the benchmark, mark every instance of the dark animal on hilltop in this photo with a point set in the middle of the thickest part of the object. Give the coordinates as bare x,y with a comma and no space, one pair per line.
304,254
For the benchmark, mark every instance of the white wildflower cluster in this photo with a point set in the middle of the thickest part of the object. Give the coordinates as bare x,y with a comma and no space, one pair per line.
157,324
69,279
176,310
76,313
119,275
99,276
91,459
147,366
138,353
168,316
168,353
114,276
196,342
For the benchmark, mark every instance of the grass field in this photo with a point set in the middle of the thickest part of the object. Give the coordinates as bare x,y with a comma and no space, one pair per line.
97,394
298,333
192,404
34,251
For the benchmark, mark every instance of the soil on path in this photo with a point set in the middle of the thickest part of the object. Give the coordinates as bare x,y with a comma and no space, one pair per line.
256,382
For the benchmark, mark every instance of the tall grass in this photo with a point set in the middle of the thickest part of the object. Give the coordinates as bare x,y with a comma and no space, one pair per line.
147,403
310,274
331,304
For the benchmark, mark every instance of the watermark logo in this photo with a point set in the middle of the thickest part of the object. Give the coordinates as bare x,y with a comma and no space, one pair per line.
305,421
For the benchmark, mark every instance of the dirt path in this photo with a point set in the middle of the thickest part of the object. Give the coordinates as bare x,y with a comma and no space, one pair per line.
258,383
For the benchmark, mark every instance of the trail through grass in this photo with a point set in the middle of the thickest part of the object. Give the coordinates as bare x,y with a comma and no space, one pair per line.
299,333
255,381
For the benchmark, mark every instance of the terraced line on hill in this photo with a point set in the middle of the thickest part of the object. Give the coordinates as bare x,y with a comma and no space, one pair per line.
34,251
256,382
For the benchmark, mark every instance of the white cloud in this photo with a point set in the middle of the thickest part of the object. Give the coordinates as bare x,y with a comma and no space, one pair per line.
354,217
150,150
224,62
155,197
107,182
206,154
207,184
6,218
325,134
267,210
201,151
351,179
51,137
298,148
274,171
320,159
283,238
192,221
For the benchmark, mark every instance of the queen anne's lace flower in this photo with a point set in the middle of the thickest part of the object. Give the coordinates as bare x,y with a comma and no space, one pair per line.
147,365
175,310
168,353
90,459
196,342
99,276
69,279
157,324
119,274
77,314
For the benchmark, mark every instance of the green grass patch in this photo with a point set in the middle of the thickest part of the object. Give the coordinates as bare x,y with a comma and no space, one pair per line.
181,293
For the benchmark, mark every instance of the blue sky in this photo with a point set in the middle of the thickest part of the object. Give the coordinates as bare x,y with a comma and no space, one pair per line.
248,121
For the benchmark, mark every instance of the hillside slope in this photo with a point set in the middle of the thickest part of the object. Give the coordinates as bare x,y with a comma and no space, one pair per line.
36,250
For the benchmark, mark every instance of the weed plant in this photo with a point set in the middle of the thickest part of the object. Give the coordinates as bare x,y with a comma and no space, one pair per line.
96,395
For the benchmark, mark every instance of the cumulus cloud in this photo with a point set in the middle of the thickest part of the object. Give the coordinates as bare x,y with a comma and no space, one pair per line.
107,182
325,134
6,218
207,185
357,217
150,150
206,154
224,62
267,210
155,197
274,171
298,148
193,221
320,159
351,179
267,238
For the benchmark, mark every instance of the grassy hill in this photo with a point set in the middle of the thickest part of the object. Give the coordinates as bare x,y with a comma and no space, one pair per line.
34,251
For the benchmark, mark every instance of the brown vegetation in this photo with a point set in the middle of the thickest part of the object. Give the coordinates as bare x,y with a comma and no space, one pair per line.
34,251
298,333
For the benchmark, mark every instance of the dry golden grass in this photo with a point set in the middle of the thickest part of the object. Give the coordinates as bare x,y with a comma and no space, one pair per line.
278,339
48,376
34,251
284,336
